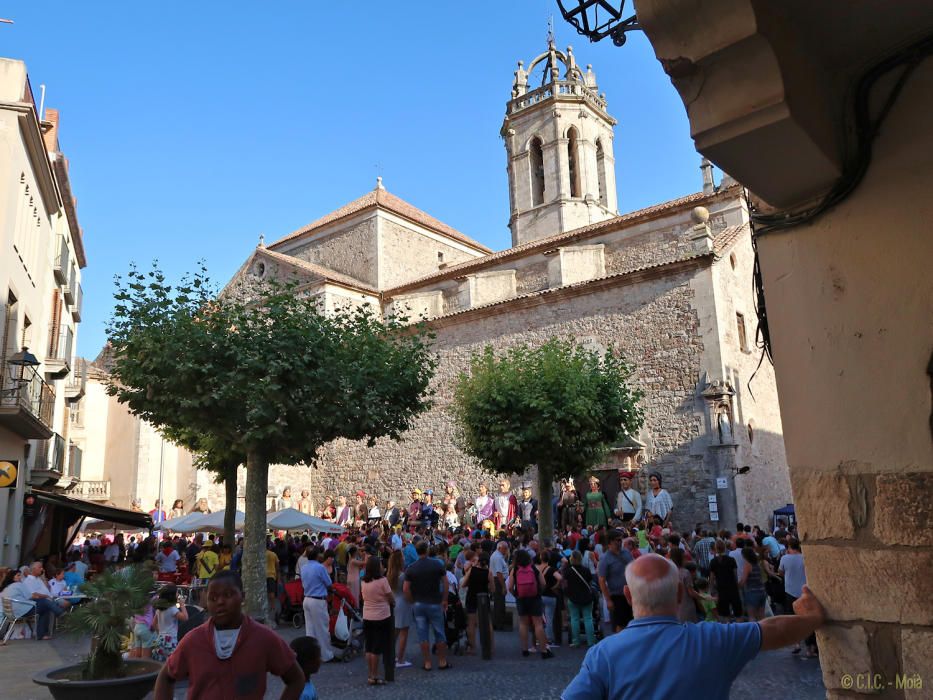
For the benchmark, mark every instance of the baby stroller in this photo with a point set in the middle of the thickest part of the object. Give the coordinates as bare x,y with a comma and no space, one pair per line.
292,601
455,623
342,599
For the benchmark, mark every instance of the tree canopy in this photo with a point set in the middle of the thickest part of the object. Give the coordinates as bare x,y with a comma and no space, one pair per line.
271,376
558,407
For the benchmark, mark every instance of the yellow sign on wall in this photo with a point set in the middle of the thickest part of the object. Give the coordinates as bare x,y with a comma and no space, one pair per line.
7,474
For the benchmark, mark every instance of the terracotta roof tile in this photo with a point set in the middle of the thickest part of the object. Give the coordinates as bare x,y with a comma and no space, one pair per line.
725,238
385,200
552,290
557,239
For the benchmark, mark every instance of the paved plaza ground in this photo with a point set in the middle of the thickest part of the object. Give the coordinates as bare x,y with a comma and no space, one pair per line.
773,675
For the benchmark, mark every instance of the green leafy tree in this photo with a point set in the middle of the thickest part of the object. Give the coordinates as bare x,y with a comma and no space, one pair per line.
557,407
217,458
270,377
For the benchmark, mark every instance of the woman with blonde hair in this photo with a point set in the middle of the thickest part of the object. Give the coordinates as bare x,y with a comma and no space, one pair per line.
404,617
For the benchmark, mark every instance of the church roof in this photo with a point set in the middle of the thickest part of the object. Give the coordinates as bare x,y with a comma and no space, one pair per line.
560,238
383,199
319,270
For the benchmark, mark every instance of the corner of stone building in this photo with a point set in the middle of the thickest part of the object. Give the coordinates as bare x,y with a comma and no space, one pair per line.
876,525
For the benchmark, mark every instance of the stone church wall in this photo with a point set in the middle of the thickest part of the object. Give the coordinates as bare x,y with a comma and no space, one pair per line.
352,251
653,321
407,254
758,429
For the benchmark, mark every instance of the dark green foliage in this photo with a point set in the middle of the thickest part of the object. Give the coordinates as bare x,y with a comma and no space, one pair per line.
113,598
558,407
273,375
270,378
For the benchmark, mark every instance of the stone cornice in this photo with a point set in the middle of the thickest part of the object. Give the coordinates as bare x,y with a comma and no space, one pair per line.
558,294
38,156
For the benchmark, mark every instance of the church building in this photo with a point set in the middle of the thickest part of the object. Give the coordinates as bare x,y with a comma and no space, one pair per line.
670,285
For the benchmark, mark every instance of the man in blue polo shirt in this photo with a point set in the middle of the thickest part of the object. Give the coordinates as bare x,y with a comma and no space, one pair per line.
317,584
671,656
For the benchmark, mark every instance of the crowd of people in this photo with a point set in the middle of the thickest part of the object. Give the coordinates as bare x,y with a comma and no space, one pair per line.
451,572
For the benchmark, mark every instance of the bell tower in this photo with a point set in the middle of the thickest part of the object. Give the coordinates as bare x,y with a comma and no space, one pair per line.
558,141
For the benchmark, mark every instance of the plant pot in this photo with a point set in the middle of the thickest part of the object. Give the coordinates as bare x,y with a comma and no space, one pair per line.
134,686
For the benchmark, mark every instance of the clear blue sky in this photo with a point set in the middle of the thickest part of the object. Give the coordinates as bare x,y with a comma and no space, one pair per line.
192,127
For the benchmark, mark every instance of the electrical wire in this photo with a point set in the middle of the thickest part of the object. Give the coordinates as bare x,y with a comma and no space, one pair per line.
866,130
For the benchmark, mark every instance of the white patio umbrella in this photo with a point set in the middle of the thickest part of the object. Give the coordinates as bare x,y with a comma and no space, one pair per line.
291,519
174,524
211,521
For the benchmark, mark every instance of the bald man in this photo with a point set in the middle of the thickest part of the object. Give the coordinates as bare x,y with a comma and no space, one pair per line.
674,658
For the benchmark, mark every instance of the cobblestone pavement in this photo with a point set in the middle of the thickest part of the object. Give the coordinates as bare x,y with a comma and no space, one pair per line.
773,675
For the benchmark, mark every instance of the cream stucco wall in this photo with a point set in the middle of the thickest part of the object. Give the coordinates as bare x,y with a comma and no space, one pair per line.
850,303
31,221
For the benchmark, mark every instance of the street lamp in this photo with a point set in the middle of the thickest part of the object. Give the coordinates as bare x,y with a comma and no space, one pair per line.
597,19
17,363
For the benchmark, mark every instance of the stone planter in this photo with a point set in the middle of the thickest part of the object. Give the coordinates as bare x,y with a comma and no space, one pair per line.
134,686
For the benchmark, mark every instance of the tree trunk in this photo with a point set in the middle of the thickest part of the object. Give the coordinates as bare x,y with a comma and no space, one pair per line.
545,506
254,537
230,507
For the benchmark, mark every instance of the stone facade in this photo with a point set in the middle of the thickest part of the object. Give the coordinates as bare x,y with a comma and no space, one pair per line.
665,285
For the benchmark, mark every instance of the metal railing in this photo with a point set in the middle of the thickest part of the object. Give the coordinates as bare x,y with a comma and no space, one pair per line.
50,455
29,392
79,299
74,461
68,290
62,267
61,345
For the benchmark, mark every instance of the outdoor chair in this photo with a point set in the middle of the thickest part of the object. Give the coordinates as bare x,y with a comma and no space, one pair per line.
11,619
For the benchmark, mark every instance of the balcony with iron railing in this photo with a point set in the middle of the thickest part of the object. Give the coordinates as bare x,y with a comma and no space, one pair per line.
69,288
26,402
76,305
76,383
58,359
75,454
62,266
49,463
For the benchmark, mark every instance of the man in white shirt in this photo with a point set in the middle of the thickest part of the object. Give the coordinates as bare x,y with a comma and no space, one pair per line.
396,541
46,605
628,502
499,566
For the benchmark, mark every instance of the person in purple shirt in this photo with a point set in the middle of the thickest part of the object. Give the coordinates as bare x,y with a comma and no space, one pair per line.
676,660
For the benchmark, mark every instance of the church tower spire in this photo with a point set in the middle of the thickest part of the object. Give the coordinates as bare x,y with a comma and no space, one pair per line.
558,140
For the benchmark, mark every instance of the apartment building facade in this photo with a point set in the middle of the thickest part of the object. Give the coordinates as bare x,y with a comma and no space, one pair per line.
41,258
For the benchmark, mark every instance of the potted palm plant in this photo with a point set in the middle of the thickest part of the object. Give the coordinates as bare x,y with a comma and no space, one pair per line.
113,598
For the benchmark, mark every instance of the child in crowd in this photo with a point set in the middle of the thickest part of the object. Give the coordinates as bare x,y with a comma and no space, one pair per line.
707,601
170,610
308,655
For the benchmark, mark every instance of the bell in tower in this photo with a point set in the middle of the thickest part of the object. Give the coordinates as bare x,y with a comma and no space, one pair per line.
558,139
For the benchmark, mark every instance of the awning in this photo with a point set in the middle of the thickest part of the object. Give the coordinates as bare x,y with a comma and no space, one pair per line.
94,510
786,510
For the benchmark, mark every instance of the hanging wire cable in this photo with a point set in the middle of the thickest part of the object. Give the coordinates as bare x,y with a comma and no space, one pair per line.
867,128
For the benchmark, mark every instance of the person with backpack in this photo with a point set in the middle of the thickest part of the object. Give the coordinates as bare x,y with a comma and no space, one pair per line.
578,591
527,584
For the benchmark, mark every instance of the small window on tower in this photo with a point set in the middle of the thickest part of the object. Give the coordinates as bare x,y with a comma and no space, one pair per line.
572,158
536,161
601,173
740,325
440,257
